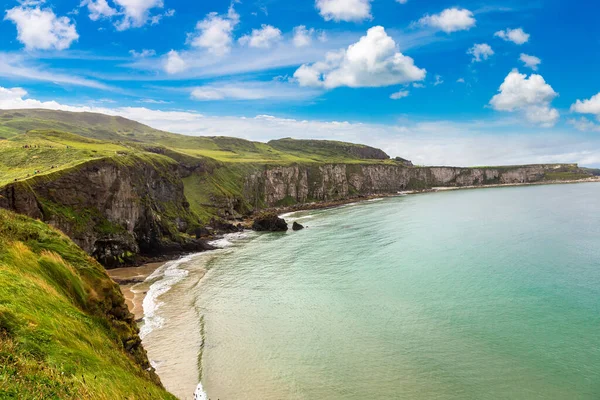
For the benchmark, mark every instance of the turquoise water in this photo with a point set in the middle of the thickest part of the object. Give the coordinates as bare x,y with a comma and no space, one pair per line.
475,294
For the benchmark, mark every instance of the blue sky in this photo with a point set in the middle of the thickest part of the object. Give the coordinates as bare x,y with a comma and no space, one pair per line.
441,82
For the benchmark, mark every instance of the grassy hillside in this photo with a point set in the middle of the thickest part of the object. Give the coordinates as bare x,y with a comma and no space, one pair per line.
64,330
14,123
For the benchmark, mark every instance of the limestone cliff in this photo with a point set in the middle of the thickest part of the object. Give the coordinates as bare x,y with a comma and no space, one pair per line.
299,184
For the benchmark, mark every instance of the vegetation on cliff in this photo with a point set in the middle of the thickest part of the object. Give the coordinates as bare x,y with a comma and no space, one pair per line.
65,332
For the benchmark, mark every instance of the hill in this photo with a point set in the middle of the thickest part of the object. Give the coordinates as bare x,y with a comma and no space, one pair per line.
65,332
14,123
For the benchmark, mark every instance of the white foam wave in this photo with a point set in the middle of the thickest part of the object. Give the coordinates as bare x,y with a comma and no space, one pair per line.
376,199
200,394
228,239
166,276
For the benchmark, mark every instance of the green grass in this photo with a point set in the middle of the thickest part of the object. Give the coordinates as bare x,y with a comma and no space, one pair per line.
64,329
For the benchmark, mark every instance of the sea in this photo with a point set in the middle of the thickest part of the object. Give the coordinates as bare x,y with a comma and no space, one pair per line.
470,294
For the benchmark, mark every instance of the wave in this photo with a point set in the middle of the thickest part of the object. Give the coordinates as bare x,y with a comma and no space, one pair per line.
166,276
228,239
200,394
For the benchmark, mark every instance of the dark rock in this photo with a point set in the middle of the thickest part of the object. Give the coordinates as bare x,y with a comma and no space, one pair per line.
269,222
296,226
222,226
202,231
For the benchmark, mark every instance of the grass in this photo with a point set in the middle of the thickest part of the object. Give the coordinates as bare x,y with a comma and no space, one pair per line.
64,329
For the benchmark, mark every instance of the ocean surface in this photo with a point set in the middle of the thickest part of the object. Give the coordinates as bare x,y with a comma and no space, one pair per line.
472,294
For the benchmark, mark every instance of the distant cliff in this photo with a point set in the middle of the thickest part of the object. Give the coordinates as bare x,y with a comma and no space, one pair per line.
299,184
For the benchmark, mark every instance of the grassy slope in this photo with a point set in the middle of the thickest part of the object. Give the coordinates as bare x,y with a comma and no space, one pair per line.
103,127
56,338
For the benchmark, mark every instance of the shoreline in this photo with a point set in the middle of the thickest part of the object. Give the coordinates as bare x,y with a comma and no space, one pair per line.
130,276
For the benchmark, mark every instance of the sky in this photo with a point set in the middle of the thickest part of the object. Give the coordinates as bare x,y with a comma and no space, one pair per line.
439,82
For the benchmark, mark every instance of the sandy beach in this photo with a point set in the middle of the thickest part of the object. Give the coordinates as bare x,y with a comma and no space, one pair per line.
131,280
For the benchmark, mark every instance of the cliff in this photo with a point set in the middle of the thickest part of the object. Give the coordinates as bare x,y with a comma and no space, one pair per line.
113,209
286,185
65,331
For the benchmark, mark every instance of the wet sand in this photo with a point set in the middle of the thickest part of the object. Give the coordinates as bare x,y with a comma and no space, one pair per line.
131,281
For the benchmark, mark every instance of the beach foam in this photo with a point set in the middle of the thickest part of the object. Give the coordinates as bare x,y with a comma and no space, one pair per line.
228,239
200,394
166,276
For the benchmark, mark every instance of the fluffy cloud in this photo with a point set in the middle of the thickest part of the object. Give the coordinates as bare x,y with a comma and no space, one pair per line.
98,9
302,36
135,12
262,38
481,52
372,61
344,10
41,29
517,36
588,106
215,32
531,96
530,61
584,125
174,64
131,13
399,95
425,143
450,20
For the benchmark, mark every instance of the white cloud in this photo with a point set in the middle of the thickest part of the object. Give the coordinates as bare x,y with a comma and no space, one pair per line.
372,61
438,80
418,85
531,96
98,9
135,12
450,20
517,36
425,143
253,90
530,61
460,80
588,106
481,52
402,1
399,95
143,54
344,10
262,38
584,125
174,64
215,32
41,29
302,36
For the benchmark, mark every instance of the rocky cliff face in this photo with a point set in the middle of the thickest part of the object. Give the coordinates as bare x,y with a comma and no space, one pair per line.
291,184
112,210
117,209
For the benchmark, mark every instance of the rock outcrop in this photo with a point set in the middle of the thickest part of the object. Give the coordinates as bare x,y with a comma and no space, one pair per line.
269,222
297,227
